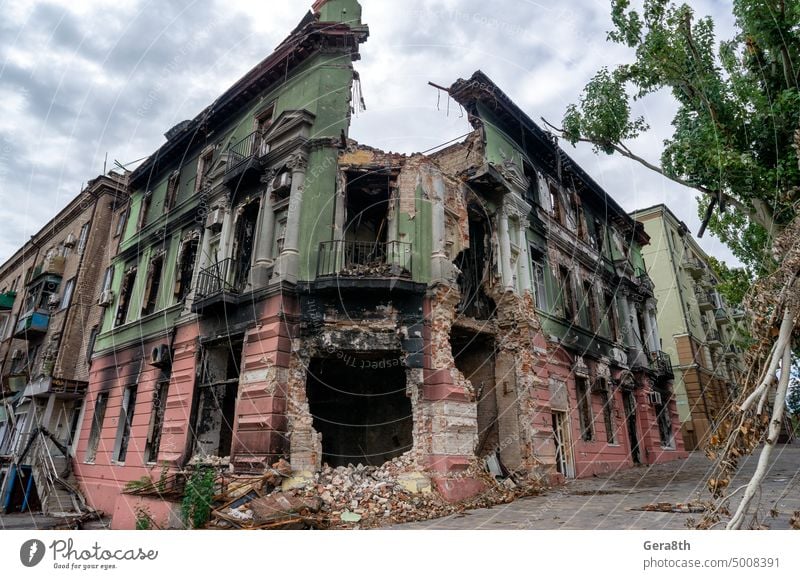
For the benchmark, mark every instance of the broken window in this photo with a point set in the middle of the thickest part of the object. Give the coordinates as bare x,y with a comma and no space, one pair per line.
83,237
153,442
473,265
539,286
664,421
591,306
584,408
474,356
216,398
360,407
147,199
243,243
555,202
90,346
123,216
366,210
567,293
152,285
263,124
203,169
98,416
125,422
171,198
187,256
66,296
608,409
125,291
613,328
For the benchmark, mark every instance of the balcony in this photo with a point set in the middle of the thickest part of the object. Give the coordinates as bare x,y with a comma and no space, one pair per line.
661,365
364,259
32,325
694,267
53,266
244,165
703,298
721,315
216,287
732,351
713,338
737,314
7,300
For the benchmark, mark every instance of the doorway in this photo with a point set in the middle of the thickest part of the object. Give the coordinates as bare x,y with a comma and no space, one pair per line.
564,463
629,401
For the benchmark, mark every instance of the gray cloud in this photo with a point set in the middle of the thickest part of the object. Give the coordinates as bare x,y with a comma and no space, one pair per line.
79,83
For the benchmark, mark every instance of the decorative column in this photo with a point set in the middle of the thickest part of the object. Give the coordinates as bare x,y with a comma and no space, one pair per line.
265,232
288,262
523,260
504,241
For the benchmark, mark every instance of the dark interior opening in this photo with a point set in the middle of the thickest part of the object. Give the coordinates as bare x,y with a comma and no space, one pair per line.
367,205
472,263
475,359
243,244
216,399
360,408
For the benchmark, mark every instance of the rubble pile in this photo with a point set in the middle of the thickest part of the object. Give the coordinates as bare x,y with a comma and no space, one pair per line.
350,497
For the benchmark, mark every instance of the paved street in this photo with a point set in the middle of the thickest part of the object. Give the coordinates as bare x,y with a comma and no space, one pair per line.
609,502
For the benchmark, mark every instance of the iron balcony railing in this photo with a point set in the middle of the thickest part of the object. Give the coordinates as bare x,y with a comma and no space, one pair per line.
216,279
660,363
712,336
364,259
250,146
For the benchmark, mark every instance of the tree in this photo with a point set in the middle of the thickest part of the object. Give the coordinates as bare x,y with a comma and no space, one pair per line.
734,281
735,144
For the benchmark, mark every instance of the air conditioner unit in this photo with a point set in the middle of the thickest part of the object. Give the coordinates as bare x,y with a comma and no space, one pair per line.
654,397
106,298
214,219
69,241
160,356
282,181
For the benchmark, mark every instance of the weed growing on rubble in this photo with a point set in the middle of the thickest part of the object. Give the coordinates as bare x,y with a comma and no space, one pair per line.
196,504
144,518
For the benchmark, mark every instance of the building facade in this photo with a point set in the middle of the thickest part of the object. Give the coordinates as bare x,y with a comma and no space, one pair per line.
52,288
698,329
281,291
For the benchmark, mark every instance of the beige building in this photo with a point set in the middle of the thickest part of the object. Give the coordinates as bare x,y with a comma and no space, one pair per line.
697,328
52,299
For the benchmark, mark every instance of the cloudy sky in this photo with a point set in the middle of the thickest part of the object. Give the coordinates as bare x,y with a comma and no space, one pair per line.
82,80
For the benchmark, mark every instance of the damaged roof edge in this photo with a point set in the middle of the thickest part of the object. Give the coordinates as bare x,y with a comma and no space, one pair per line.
480,88
308,28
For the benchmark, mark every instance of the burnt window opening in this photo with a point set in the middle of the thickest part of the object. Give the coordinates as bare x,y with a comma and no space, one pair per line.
590,305
152,285
203,169
567,293
125,421
173,183
664,421
360,408
185,271
147,199
613,327
123,217
124,302
472,264
217,390
585,420
263,123
597,234
153,442
366,207
474,356
608,409
98,416
555,203
244,239
539,284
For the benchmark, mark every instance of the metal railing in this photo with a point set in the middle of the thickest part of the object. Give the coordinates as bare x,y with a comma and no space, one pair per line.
712,336
215,279
364,259
242,150
661,363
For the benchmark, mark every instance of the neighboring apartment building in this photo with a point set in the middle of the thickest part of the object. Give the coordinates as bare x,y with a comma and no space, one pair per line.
52,304
698,329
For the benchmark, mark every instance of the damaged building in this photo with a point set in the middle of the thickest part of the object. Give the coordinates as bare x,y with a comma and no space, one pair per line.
281,291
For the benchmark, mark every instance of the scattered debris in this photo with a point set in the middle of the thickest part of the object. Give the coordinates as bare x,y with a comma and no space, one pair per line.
691,507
